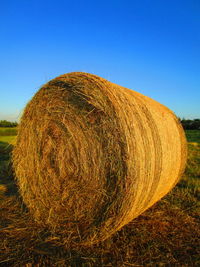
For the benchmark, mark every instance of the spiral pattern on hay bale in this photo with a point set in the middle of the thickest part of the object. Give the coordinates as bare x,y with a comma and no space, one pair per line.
92,155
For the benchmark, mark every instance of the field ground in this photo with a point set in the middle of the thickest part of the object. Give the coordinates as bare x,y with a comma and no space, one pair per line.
168,234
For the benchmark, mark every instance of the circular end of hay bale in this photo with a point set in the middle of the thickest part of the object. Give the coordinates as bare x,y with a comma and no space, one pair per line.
91,156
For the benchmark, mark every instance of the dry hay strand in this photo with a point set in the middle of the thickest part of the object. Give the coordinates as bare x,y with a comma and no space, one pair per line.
92,155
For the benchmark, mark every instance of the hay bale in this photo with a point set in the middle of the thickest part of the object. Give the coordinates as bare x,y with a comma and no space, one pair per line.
91,156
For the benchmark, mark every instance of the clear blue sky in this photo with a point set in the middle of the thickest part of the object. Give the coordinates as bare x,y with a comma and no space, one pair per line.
151,46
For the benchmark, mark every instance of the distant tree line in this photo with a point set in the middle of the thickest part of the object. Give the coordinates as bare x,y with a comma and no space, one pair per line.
190,124
187,124
6,123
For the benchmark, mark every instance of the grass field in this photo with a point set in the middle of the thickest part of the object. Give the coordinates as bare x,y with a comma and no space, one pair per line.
6,131
193,136
168,234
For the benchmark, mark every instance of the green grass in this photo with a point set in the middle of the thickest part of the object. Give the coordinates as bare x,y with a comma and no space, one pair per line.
168,234
8,131
193,135
8,139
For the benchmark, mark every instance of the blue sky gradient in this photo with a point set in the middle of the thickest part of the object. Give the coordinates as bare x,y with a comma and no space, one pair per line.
151,46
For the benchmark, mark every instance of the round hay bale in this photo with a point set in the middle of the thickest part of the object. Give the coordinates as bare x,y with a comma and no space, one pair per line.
92,155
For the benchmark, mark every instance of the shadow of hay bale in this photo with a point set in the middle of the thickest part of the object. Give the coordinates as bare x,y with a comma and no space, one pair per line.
5,150
7,180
